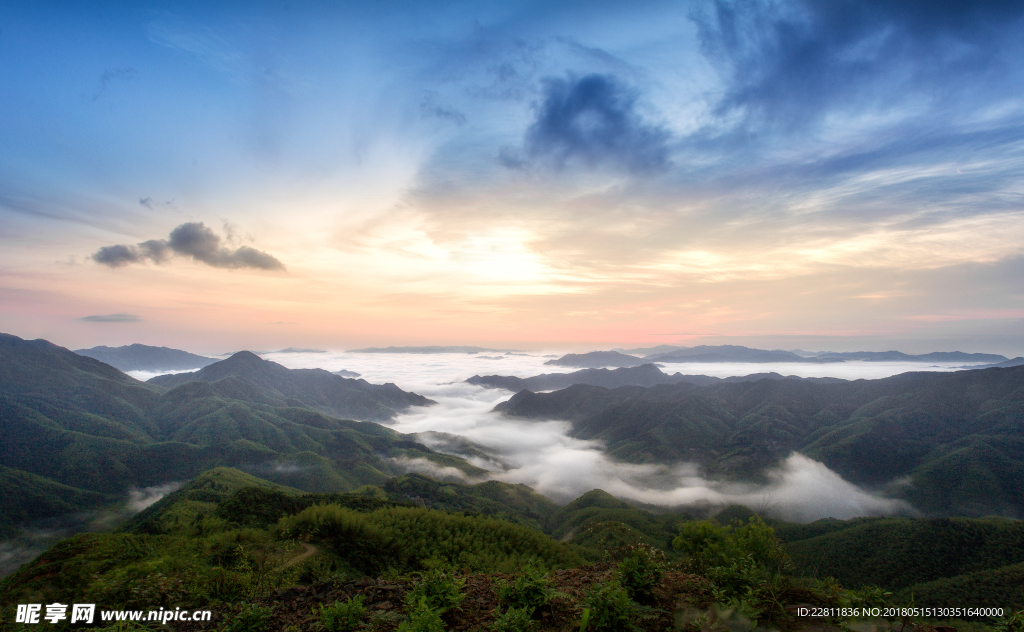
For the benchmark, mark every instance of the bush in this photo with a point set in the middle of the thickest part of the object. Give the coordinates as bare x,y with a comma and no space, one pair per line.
343,617
422,618
514,620
439,589
709,545
608,607
530,589
641,571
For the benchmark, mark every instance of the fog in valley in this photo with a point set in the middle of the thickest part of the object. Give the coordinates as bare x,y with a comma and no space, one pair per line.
541,454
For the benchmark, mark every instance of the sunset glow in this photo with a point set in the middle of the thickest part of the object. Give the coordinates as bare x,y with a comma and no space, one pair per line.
799,175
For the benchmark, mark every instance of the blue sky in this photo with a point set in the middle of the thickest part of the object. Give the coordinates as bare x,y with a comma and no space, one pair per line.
787,174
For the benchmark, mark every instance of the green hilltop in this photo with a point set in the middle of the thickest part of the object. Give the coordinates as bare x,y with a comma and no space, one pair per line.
77,434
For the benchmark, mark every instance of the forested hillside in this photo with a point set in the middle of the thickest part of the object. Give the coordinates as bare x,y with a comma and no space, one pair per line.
77,434
263,557
956,440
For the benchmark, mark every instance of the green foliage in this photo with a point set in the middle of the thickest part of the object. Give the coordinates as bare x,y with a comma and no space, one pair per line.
898,553
248,618
609,608
709,545
530,590
641,570
342,616
422,618
471,542
999,587
439,589
1010,622
262,506
349,533
743,562
514,620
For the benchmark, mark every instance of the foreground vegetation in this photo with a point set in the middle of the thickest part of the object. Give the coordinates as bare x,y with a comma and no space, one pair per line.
266,557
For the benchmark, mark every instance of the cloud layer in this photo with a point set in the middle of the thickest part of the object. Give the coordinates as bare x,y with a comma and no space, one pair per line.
192,239
541,454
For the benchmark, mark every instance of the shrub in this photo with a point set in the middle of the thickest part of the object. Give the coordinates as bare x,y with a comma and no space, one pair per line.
514,620
439,589
709,545
641,571
422,618
1011,622
530,589
343,616
608,607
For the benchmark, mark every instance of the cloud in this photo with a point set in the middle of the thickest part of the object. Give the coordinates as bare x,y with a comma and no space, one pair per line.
593,120
192,239
426,468
543,455
139,499
789,64
112,318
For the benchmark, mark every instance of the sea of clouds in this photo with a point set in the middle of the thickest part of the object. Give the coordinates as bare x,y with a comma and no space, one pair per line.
541,454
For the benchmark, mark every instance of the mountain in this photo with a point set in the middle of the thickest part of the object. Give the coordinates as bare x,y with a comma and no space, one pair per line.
1018,361
646,351
643,375
896,356
145,358
732,353
77,434
449,349
955,440
318,389
596,359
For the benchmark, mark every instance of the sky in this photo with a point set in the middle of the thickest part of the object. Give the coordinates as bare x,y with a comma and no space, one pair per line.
824,175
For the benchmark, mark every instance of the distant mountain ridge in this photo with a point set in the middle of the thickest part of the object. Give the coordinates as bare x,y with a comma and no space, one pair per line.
597,359
735,353
430,349
731,353
935,356
643,375
319,389
138,357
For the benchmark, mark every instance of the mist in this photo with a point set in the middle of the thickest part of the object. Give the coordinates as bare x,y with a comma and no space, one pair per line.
38,536
542,455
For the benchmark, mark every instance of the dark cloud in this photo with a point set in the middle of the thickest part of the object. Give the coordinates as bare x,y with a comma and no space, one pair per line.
790,64
112,318
593,120
117,256
193,239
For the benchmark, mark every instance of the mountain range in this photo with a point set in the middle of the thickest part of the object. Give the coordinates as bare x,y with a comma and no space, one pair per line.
643,375
949,443
138,357
735,353
76,433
